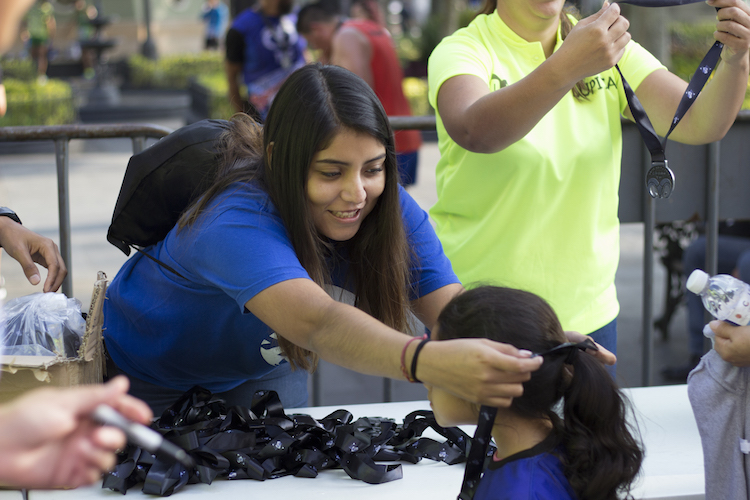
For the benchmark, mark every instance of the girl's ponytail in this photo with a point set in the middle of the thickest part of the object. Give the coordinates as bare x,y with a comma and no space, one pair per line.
603,454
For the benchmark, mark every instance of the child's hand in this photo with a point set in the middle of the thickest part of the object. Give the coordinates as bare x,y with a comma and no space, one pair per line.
732,342
602,354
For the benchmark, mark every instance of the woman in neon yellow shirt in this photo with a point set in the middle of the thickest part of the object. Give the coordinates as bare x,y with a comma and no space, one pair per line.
528,110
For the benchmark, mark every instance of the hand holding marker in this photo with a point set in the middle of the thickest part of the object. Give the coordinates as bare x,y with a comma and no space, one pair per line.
141,435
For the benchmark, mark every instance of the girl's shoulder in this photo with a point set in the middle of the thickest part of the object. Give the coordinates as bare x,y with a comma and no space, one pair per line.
536,473
539,477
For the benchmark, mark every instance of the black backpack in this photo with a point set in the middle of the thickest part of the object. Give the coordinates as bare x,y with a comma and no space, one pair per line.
162,181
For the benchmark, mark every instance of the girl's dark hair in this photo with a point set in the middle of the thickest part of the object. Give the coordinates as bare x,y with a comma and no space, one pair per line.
580,90
603,453
313,105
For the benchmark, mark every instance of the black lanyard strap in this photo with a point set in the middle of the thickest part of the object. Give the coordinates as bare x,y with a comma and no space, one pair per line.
264,442
660,178
480,450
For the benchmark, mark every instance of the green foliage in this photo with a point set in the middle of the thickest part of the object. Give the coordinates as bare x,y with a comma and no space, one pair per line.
430,37
419,48
415,90
408,49
689,44
20,69
172,72
31,103
216,88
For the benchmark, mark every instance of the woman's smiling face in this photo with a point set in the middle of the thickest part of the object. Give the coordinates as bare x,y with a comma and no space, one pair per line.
344,183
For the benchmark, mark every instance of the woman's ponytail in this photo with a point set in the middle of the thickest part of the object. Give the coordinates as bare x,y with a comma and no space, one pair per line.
603,453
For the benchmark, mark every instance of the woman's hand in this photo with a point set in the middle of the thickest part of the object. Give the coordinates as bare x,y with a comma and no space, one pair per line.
732,29
602,354
596,43
477,370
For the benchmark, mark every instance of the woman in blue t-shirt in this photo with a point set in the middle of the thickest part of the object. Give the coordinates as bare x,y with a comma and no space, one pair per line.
567,437
305,211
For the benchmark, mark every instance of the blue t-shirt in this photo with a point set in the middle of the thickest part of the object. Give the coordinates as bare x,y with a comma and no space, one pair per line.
177,333
216,19
533,474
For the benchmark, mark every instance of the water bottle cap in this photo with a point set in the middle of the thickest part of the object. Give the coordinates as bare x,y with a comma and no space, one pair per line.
697,281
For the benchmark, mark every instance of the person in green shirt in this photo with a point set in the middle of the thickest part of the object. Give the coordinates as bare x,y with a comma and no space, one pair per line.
528,114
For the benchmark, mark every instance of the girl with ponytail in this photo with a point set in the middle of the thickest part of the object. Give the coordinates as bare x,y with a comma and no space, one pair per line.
567,436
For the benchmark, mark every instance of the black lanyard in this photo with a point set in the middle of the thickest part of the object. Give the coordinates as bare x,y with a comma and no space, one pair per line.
264,442
478,452
660,179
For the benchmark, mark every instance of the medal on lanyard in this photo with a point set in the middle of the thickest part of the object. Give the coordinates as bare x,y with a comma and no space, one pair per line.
660,178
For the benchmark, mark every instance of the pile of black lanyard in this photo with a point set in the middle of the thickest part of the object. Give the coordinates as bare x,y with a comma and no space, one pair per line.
263,442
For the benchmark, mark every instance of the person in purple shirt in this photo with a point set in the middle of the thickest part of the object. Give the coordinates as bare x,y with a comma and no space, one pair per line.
262,47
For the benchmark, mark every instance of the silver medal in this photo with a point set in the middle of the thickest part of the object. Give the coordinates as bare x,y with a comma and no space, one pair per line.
660,180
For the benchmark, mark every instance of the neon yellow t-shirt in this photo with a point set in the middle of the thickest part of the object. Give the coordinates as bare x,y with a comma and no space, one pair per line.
540,215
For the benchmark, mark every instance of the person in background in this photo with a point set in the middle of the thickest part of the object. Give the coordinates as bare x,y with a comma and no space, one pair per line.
83,16
733,247
3,97
528,115
263,47
215,14
48,438
367,9
588,450
40,29
365,48
27,247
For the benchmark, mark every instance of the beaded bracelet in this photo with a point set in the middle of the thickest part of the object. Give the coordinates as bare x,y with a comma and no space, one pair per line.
403,357
414,360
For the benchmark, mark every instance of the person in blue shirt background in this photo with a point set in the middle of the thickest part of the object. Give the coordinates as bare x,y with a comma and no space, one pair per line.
215,14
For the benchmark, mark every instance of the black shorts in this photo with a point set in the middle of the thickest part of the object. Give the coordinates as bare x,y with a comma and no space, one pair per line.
212,43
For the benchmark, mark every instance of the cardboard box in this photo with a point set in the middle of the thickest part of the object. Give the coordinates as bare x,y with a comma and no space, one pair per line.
21,373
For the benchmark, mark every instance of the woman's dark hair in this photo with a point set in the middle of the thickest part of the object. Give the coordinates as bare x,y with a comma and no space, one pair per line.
580,90
313,105
603,454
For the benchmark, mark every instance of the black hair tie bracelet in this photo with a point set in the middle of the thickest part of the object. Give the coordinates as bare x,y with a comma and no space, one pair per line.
414,360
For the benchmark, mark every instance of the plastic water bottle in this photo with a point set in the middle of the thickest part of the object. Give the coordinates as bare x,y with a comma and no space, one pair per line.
724,296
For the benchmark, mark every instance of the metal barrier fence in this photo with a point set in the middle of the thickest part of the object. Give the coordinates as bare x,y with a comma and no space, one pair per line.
61,136
699,180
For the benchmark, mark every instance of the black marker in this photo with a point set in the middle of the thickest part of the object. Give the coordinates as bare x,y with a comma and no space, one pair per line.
141,435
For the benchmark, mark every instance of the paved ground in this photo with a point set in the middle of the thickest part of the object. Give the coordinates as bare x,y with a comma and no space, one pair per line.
28,184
